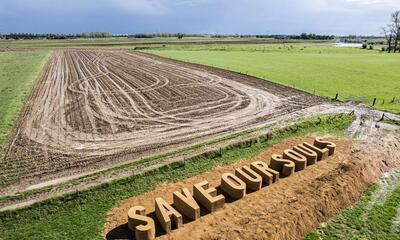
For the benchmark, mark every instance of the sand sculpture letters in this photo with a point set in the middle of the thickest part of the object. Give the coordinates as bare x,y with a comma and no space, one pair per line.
233,185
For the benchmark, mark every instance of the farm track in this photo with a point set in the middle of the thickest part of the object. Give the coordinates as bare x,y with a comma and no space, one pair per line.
92,109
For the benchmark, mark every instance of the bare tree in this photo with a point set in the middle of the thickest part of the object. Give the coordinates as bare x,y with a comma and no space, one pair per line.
392,32
388,36
395,28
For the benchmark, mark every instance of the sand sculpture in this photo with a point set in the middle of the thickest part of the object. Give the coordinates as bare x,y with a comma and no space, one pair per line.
322,153
320,143
252,180
208,197
167,215
268,174
233,185
299,160
185,203
142,225
285,167
306,152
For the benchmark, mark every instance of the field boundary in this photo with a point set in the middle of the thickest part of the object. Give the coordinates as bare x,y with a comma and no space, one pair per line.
57,44
212,148
232,73
308,75
5,145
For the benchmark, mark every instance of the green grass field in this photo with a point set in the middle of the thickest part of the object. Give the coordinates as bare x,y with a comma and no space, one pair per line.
355,74
376,216
81,215
124,42
18,70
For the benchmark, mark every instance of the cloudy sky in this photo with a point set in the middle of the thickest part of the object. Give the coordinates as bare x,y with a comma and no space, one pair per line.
339,17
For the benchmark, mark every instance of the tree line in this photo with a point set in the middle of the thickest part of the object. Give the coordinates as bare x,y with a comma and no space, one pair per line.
18,36
303,36
163,35
392,33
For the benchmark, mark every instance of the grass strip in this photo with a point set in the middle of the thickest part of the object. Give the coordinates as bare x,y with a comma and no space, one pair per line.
145,161
391,121
18,71
363,222
321,70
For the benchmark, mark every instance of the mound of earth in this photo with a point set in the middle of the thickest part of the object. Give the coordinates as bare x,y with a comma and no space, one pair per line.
285,210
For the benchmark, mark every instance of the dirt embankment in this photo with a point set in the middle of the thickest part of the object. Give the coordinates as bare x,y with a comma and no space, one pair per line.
287,209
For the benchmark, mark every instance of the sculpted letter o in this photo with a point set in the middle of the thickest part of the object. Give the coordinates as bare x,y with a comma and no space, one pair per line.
233,185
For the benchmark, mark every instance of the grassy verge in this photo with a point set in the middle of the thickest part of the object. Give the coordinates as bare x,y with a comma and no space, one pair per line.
18,70
320,70
81,215
144,162
139,42
363,221
245,136
391,121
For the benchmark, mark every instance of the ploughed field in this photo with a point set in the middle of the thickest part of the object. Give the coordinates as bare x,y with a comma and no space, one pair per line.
94,108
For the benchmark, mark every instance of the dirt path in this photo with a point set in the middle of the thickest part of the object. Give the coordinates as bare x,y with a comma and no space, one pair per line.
287,209
93,109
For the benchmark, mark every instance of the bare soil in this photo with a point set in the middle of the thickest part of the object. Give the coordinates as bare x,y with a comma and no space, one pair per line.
94,108
285,210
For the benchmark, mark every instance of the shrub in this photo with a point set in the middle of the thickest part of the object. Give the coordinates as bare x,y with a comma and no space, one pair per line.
364,46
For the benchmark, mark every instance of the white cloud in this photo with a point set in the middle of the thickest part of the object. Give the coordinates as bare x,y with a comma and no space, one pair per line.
350,5
156,7
144,7
373,2
191,2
